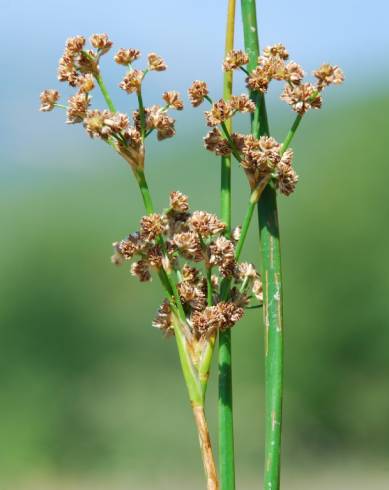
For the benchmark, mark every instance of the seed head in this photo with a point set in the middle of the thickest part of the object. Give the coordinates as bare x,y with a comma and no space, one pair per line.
234,60
48,99
156,63
206,224
220,112
277,50
85,83
126,56
152,226
328,74
163,319
287,179
132,81
77,108
74,45
140,270
132,245
173,100
179,202
197,92
242,103
67,71
302,97
101,42
189,245
294,73
259,79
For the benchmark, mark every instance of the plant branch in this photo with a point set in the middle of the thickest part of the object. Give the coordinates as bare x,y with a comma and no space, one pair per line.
104,91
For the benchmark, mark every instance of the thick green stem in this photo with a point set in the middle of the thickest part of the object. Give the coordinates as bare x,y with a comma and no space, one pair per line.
105,93
226,428
271,277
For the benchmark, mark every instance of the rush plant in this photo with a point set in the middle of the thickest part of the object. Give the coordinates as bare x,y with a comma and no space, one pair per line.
196,255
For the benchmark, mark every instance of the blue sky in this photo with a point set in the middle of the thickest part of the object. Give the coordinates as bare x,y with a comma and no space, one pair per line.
189,34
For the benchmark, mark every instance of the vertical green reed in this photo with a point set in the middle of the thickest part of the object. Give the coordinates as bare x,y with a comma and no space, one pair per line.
271,276
226,427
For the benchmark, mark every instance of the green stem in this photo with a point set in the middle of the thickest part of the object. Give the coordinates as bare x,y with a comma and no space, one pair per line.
271,277
104,91
141,114
245,229
226,428
291,134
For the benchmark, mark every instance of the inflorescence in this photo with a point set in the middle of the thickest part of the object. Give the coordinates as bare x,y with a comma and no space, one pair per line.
193,245
263,159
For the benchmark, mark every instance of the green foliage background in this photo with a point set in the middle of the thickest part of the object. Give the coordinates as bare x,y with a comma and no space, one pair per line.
87,385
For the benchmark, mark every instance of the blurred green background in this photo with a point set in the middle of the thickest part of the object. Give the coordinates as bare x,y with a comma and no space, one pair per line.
91,395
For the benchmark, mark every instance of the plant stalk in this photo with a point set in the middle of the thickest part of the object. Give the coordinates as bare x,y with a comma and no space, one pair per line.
226,428
271,276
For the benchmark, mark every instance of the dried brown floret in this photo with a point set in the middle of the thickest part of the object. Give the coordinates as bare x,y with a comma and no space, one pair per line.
179,202
302,97
206,322
132,81
277,50
245,270
234,60
94,123
220,112
192,295
152,226
189,245
223,254
238,140
132,245
163,319
118,122
242,103
190,274
74,45
48,100
259,79
212,139
155,256
156,62
117,258
85,83
67,71
328,74
294,73
140,270
173,100
287,179
230,314
126,56
197,92
101,42
77,108
206,224
164,125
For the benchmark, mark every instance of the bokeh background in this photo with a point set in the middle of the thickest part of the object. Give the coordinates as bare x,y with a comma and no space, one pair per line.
91,395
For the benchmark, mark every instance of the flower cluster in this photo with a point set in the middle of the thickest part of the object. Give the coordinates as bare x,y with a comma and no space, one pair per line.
262,158
184,244
80,68
273,65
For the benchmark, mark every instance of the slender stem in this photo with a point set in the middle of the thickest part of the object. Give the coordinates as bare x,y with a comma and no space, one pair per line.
206,448
226,428
141,114
245,229
291,134
105,93
271,277
209,286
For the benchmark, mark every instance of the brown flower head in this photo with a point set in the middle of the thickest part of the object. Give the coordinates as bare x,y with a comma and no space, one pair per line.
294,73
77,108
48,99
230,314
328,74
189,245
126,56
132,245
173,100
277,50
163,319
67,71
132,81
212,139
286,179
302,97
140,270
220,112
192,295
94,123
179,202
234,60
206,224
206,322
156,62
190,274
101,42
118,122
74,45
152,226
259,79
85,83
164,125
242,103
117,257
197,92
223,254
